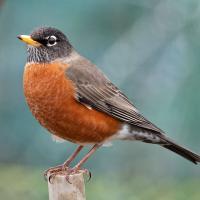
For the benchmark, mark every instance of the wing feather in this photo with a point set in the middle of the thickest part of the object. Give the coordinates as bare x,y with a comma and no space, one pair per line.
96,91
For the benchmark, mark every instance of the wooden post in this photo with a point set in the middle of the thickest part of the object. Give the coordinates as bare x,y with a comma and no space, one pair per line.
60,189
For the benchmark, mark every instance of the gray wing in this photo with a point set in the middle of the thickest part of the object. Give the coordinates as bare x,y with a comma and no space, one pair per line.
95,90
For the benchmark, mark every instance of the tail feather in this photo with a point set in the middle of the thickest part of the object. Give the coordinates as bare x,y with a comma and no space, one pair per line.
186,153
130,132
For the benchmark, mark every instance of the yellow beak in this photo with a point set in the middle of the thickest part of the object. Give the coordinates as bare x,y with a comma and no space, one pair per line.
28,40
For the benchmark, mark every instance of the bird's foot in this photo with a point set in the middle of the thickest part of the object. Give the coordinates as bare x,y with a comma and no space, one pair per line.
64,170
76,170
54,170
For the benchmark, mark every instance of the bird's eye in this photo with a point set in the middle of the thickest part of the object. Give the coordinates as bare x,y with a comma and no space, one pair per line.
51,41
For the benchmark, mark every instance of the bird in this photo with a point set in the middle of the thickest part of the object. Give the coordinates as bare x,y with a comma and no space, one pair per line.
75,101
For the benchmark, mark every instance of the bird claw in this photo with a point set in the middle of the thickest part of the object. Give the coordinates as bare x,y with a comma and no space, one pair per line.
51,178
84,171
87,173
54,170
50,173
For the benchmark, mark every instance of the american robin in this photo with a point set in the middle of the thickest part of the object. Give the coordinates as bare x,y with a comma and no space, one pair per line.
75,101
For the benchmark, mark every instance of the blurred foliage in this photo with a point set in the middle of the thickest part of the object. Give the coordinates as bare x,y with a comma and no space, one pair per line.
150,49
25,183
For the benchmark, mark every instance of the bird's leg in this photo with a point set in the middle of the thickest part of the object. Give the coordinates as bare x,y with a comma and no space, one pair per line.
64,166
63,169
72,157
84,159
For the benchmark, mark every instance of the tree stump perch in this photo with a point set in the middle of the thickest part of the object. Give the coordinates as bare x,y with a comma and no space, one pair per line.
60,189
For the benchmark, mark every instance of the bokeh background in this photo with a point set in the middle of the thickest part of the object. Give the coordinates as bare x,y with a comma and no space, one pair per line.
151,50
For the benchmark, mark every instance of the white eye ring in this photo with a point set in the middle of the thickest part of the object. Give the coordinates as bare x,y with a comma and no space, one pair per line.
51,40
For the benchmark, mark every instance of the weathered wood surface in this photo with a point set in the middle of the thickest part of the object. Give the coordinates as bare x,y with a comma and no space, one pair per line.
60,189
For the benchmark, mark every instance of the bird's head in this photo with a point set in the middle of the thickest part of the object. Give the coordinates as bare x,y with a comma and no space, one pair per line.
46,44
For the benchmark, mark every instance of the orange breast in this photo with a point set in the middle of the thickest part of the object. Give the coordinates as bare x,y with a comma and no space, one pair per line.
50,96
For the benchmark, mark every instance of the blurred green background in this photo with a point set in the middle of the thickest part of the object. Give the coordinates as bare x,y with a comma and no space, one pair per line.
151,50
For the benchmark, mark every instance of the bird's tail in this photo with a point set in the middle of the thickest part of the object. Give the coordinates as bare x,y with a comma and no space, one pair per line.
158,137
182,151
